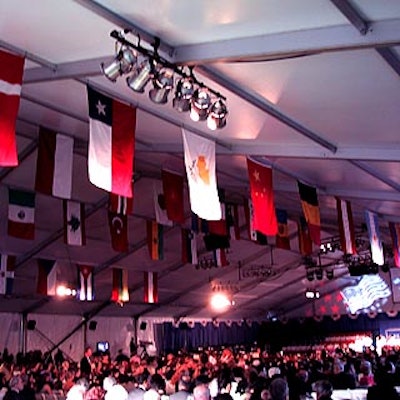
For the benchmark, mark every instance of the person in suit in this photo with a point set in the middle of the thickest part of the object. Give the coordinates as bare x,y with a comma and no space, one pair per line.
86,363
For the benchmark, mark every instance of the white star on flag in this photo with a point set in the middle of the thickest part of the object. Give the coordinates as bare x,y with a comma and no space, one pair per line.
256,175
101,108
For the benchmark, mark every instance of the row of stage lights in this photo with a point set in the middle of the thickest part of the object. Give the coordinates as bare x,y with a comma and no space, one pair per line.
142,66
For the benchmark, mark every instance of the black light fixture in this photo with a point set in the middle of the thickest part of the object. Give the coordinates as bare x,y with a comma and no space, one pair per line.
203,102
310,274
329,274
319,274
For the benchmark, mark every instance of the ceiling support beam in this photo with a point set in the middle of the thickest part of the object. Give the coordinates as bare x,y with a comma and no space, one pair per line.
350,12
290,44
390,57
258,101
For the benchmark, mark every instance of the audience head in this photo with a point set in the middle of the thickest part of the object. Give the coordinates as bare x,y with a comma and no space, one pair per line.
323,388
201,392
279,389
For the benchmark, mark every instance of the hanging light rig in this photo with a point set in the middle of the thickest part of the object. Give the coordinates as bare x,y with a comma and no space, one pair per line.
141,65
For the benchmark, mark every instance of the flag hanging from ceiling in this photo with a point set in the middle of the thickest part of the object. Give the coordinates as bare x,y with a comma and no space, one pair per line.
54,164
305,242
189,247
200,171
7,274
111,143
262,196
159,205
47,277
74,223
85,283
219,227
249,215
120,291
282,237
120,204
173,194
374,238
232,221
11,71
198,224
395,235
346,226
21,214
310,205
118,224
155,240
150,287
219,256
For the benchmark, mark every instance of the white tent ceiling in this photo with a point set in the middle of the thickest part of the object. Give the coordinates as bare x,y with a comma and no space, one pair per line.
308,91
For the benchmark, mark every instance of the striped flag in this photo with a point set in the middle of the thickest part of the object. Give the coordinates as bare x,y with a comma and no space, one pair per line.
198,224
249,215
219,256
7,274
150,287
54,164
362,296
21,214
11,71
159,205
120,204
310,205
189,247
282,237
85,283
111,143
346,227
304,238
232,221
374,238
201,176
395,235
47,277
74,223
155,240
120,292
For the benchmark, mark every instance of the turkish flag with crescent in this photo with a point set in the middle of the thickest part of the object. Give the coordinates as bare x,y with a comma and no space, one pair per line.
118,224
262,196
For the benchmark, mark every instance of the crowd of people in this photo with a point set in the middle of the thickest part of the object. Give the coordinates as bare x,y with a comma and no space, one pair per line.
220,374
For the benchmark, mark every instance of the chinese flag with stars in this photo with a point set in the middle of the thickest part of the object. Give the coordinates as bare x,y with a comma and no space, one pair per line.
262,196
111,143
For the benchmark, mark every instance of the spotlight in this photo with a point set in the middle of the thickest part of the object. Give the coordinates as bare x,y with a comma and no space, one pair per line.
183,94
200,104
217,116
310,274
163,83
141,76
312,294
329,274
220,301
322,248
122,64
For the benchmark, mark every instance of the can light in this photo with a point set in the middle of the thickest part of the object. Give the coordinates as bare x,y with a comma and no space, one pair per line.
220,301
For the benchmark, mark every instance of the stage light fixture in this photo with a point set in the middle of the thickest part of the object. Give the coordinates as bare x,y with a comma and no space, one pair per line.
183,94
319,274
163,83
141,76
310,274
200,104
217,115
329,274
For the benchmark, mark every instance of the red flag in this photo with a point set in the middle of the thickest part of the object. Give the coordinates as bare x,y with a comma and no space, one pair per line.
305,242
11,71
262,197
150,287
173,196
118,224
346,227
120,204
309,203
111,143
54,164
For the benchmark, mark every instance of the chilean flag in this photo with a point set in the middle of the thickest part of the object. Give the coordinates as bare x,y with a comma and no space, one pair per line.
111,143
11,71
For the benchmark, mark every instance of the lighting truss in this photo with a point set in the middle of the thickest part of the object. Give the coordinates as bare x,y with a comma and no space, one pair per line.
141,66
